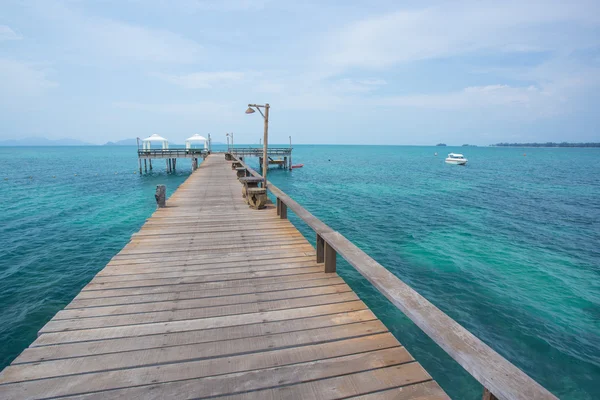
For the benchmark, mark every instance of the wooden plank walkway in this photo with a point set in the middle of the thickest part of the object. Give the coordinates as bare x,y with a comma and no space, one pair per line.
213,299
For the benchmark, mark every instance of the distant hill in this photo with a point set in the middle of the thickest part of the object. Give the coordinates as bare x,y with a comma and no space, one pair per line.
441,144
124,142
40,141
133,142
547,144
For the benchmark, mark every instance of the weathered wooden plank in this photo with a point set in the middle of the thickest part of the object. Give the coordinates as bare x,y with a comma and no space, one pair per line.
200,254
224,248
351,385
92,294
113,270
103,381
180,304
251,384
198,294
104,333
232,257
191,272
194,313
106,346
199,279
421,391
331,339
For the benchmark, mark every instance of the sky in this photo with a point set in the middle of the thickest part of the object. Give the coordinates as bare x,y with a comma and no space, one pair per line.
334,72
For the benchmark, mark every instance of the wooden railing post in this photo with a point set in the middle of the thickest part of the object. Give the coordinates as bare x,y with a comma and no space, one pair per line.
278,206
282,210
330,258
487,395
495,373
320,249
161,196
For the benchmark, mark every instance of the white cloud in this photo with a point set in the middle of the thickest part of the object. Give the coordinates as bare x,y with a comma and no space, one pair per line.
219,5
529,102
458,28
202,80
348,85
19,79
95,40
205,108
372,82
122,41
6,33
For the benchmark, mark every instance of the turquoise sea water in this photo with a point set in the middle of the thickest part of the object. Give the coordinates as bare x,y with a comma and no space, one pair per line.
509,246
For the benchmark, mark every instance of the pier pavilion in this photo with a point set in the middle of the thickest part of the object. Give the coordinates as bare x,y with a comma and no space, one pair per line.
196,147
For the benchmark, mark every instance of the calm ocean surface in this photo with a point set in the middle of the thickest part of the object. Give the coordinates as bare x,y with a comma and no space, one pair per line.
509,246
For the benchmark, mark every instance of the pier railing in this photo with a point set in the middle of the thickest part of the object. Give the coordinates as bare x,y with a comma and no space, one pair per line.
499,377
173,153
258,151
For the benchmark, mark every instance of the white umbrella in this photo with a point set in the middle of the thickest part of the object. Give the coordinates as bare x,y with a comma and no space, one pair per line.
146,143
196,139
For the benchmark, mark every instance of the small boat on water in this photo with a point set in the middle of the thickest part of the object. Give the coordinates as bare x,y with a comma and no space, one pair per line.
455,158
297,166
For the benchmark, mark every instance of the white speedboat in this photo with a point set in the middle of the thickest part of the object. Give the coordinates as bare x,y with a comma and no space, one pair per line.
458,159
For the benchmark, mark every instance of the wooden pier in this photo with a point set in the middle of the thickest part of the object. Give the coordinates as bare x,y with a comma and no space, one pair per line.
170,156
284,155
214,299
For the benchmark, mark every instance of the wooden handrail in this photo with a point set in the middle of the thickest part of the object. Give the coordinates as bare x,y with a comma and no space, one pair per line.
499,377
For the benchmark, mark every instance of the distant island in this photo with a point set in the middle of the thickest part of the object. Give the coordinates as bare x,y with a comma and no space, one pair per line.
40,141
441,144
547,144
124,142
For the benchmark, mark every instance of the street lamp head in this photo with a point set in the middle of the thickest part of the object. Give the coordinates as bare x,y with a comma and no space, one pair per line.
250,110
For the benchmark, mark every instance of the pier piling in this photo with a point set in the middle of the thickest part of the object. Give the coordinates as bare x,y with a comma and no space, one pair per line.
161,195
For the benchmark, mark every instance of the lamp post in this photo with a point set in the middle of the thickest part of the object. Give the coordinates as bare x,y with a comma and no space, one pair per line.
265,116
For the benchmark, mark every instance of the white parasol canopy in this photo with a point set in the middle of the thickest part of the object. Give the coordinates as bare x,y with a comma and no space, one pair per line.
147,143
196,139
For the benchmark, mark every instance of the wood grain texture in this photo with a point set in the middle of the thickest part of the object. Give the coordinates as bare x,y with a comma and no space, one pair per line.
500,378
213,298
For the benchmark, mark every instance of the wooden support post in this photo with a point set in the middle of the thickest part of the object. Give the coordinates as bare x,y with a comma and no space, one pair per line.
140,164
282,210
161,195
330,258
174,164
320,249
150,160
167,161
278,206
260,162
487,395
285,162
145,166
